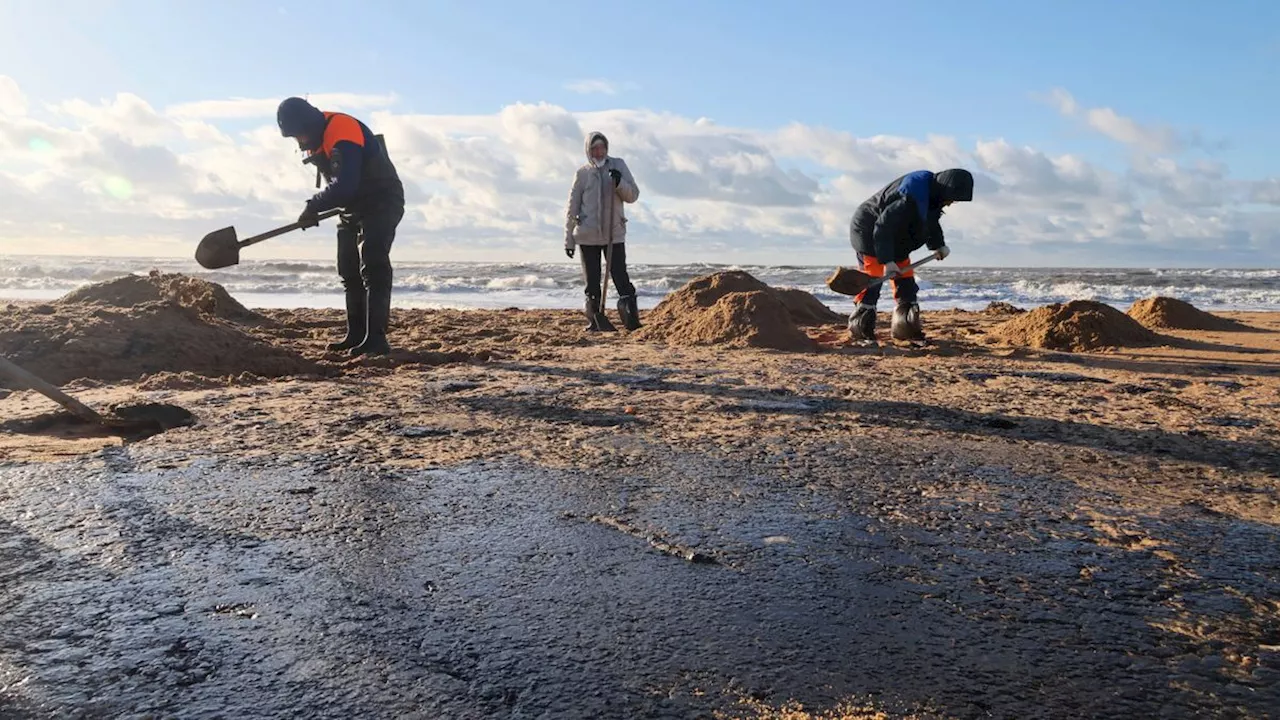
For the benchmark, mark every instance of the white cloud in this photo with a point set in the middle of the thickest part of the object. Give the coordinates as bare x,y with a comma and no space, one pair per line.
253,108
12,101
1158,139
119,176
591,87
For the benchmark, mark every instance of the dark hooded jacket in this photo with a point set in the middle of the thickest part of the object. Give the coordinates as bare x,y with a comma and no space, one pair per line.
906,214
352,160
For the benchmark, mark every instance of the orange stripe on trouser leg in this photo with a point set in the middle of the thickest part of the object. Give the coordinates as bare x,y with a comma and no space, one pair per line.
907,274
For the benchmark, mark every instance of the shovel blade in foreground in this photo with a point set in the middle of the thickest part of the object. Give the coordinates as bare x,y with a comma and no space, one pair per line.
219,249
848,281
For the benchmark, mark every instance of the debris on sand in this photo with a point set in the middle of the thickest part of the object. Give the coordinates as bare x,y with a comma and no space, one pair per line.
187,380
1159,313
730,308
1076,326
999,307
202,296
95,333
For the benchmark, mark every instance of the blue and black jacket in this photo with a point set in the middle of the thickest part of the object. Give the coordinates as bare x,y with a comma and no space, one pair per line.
906,214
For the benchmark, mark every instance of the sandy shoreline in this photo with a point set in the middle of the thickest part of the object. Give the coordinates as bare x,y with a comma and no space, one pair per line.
1042,524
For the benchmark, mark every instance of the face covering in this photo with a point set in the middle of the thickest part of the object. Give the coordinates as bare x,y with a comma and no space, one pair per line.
599,163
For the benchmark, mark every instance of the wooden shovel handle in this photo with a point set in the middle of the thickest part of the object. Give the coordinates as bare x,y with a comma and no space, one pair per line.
286,229
22,377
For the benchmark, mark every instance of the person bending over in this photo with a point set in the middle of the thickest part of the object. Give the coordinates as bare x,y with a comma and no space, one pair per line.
886,228
361,180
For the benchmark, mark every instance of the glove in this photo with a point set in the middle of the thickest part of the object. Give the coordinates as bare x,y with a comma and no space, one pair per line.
309,218
891,269
617,176
943,252
568,251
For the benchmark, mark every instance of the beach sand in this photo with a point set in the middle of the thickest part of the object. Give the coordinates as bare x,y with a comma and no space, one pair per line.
971,528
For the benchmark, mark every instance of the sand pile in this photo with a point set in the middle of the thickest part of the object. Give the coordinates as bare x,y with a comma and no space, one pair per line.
129,291
733,309
1077,326
94,333
806,309
1170,313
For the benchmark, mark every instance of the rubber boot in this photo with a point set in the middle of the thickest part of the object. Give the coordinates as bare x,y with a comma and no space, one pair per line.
862,323
629,311
906,322
357,321
596,320
375,342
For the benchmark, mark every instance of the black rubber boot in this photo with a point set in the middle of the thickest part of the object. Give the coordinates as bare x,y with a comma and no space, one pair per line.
357,321
375,342
629,311
906,322
862,323
596,320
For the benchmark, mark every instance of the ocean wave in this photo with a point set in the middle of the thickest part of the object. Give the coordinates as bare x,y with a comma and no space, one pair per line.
559,284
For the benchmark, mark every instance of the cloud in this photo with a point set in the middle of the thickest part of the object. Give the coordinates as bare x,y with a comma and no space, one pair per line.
597,87
1158,139
121,176
12,101
253,108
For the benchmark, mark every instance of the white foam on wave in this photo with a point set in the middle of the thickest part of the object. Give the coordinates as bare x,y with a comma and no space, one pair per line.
559,284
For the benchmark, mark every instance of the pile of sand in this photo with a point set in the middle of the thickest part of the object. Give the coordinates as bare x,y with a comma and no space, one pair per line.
95,333
807,310
1077,326
736,310
129,291
1169,313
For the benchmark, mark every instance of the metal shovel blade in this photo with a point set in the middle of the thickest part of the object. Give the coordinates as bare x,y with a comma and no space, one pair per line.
851,281
219,249
848,281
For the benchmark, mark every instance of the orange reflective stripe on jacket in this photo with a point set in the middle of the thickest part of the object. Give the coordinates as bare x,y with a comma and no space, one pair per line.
340,127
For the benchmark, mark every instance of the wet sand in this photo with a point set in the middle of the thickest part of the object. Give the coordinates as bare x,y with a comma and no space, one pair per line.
514,518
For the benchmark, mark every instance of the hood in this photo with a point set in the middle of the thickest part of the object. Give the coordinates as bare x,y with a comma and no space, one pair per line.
591,138
955,185
296,116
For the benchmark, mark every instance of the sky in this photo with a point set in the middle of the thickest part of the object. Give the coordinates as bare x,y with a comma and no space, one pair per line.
1100,134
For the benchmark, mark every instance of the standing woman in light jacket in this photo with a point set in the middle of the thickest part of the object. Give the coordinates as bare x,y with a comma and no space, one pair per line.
595,220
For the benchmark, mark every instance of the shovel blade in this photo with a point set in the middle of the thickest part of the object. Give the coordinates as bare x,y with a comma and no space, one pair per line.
219,249
848,281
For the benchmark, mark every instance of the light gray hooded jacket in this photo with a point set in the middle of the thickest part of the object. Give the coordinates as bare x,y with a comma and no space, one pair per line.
595,215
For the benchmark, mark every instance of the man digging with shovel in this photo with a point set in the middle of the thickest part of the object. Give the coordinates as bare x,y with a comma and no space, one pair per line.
362,181
886,229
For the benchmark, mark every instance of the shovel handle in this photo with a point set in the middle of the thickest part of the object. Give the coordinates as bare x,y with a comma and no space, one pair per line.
22,377
929,258
286,229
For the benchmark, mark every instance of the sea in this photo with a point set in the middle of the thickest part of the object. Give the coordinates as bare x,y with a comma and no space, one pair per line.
282,284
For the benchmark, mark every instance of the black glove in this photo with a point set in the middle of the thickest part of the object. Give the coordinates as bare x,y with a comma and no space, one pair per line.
617,176
309,218
569,252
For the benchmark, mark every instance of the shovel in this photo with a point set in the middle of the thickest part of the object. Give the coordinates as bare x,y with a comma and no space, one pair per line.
22,378
220,248
849,281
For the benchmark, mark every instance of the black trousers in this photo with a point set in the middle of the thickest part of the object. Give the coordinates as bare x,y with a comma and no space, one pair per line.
592,257
364,247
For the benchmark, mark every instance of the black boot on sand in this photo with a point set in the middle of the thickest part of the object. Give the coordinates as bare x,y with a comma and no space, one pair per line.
357,321
375,342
